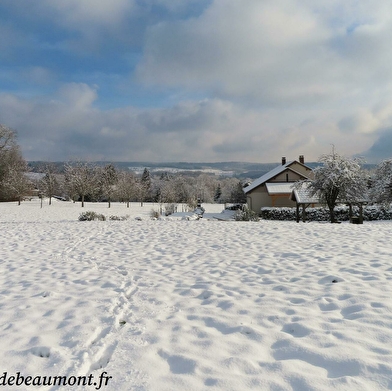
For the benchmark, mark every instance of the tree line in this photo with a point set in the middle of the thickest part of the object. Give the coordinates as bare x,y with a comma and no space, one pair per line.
84,181
337,179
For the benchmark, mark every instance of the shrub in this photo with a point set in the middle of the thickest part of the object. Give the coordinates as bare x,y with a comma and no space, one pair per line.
90,216
170,209
154,214
192,203
246,214
370,212
119,218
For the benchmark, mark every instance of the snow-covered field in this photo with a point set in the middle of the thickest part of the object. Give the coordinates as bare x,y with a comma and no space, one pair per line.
177,305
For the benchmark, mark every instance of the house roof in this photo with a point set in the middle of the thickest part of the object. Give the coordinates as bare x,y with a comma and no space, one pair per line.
279,188
269,175
302,195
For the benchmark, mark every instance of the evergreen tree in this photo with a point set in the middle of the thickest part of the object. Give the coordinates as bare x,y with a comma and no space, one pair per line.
237,195
218,193
145,186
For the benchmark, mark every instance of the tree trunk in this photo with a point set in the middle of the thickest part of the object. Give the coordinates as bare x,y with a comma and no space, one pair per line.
332,213
83,201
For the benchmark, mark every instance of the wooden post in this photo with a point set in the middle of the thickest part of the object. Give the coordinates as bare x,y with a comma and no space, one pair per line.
350,210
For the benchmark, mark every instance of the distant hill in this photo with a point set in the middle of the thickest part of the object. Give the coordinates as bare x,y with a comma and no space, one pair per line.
239,170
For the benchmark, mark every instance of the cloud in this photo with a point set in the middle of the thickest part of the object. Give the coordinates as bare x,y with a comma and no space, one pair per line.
215,79
363,121
275,53
381,149
68,125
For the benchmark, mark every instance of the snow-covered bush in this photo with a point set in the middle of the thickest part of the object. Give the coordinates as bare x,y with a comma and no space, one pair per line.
246,214
199,211
170,209
119,218
154,214
90,216
377,212
342,213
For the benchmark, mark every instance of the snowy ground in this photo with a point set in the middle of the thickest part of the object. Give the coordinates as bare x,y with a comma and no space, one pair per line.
177,305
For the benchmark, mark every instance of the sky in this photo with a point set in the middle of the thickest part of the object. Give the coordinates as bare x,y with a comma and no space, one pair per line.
197,80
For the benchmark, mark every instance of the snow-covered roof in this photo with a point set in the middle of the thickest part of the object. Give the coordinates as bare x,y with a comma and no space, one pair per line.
269,175
302,195
279,188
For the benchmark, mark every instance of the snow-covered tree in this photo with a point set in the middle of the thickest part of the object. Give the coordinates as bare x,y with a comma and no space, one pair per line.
339,179
381,188
49,184
218,193
126,186
108,179
205,188
7,138
81,180
236,194
16,184
144,187
13,182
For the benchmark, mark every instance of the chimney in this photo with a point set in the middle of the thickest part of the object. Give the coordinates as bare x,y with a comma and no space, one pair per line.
302,159
283,160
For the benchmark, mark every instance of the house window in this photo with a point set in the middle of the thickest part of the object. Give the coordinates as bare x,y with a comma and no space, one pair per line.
287,177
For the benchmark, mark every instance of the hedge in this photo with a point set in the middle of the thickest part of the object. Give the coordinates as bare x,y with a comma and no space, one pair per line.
370,212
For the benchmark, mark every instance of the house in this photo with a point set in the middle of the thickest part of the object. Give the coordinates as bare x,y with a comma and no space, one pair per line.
274,188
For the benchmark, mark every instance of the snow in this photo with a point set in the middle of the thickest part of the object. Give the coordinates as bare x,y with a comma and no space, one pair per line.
178,304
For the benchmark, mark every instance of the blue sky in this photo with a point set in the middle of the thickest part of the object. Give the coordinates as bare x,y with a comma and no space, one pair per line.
197,80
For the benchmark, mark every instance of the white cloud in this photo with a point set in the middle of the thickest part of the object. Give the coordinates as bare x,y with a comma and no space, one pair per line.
273,52
68,125
367,120
78,95
271,77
